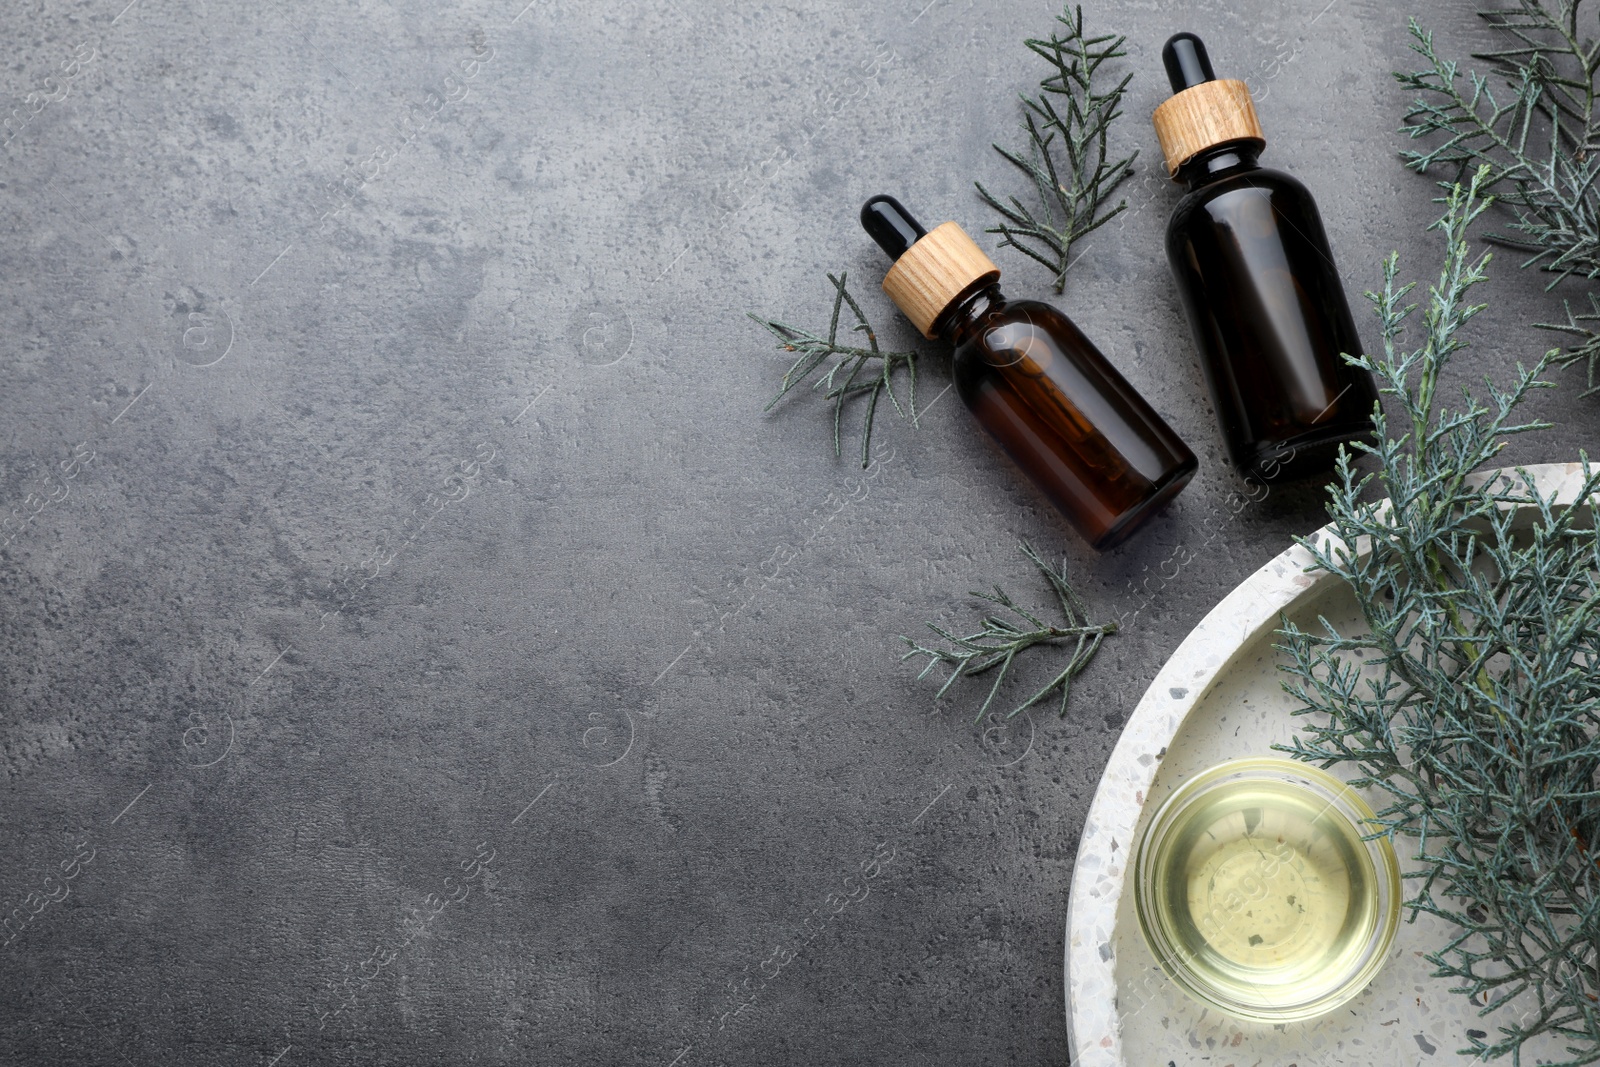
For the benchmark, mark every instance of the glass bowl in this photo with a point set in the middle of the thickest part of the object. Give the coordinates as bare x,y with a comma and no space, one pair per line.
1257,894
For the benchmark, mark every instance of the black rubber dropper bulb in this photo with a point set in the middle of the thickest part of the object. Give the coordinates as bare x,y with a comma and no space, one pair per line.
891,225
1186,61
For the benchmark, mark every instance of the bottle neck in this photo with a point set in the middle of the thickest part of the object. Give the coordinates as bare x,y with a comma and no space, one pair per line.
962,319
1219,161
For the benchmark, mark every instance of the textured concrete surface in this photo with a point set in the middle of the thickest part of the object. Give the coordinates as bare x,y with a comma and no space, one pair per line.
417,645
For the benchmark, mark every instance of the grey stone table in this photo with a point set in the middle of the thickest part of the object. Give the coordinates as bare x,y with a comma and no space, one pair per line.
418,647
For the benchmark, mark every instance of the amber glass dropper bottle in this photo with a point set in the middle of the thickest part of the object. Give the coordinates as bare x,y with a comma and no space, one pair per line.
1256,275
1057,407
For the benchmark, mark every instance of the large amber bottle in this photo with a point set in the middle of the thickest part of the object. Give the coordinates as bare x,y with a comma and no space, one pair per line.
1035,382
1258,282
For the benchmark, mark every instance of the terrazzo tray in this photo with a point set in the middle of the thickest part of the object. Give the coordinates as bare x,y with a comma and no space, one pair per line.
1219,697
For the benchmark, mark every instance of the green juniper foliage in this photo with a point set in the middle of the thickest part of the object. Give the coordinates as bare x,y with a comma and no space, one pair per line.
816,350
1473,699
1066,159
1537,132
999,640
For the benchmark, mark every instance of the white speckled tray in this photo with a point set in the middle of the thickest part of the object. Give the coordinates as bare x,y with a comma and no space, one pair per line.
1217,698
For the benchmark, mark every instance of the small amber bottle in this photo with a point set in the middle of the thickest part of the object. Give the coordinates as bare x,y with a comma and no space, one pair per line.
1057,407
1259,287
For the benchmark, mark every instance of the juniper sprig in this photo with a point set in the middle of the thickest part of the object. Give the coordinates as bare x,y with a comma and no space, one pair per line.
999,640
1532,121
815,350
1067,158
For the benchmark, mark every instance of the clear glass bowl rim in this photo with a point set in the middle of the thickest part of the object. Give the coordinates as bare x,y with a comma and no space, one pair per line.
1343,798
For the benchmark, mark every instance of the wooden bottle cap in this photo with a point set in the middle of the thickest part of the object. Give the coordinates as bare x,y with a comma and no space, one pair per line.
1203,116
943,266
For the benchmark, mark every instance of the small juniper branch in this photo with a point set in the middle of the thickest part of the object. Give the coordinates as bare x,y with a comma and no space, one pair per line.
1067,158
1586,349
815,350
1537,129
999,640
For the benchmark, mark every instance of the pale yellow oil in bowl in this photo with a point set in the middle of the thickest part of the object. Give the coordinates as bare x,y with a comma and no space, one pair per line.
1258,895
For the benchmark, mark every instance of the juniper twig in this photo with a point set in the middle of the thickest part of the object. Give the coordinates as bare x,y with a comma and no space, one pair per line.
1000,640
1533,122
816,350
1586,349
1067,125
